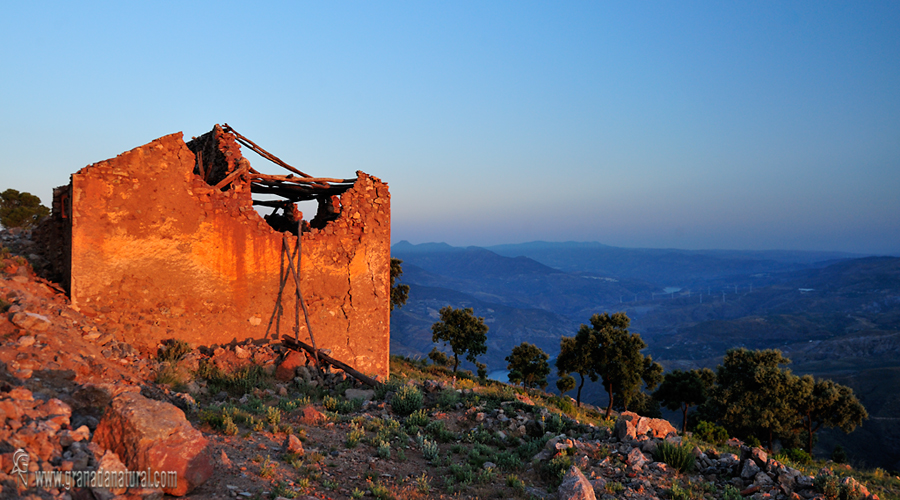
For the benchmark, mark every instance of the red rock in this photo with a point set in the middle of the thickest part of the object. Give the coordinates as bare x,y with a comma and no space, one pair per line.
9,409
293,445
110,465
39,442
312,416
749,491
155,435
286,370
21,394
630,425
225,460
575,486
30,321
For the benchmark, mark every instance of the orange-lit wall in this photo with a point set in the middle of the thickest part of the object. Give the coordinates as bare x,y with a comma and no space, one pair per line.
170,257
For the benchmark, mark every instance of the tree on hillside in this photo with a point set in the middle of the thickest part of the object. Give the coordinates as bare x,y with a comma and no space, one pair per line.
439,358
463,331
21,209
399,293
685,389
575,357
824,403
565,384
528,364
753,395
616,357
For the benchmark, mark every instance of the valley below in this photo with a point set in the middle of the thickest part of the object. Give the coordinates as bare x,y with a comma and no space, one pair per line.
834,315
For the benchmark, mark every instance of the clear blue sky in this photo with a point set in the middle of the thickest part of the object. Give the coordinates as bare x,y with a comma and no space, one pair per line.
742,125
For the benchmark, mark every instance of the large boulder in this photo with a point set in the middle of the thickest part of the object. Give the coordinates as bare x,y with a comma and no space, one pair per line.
575,486
630,426
288,367
148,434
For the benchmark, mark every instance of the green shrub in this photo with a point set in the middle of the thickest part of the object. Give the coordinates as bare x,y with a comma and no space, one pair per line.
273,415
462,473
422,484
515,483
530,448
731,493
384,449
614,487
418,418
430,450
564,404
407,400
356,433
827,484
508,460
679,457
342,406
555,424
220,420
173,350
392,384
709,432
239,382
556,469
447,399
168,374
380,491
794,455
439,431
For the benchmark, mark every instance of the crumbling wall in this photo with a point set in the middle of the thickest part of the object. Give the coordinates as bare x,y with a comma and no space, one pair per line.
53,238
158,249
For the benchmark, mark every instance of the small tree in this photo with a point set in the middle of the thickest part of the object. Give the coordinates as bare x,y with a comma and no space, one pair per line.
528,364
463,331
565,384
616,357
482,372
824,403
684,389
21,209
399,292
575,357
753,395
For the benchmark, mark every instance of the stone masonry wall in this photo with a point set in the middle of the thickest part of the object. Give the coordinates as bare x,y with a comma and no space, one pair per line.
158,249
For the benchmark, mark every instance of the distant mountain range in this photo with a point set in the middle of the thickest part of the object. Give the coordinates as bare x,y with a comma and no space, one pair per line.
834,314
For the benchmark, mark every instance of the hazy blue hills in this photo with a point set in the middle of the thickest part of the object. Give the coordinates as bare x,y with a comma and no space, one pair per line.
665,267
513,281
411,324
847,298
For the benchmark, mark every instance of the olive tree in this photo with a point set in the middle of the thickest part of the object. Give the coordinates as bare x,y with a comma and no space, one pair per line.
615,357
463,332
528,365
685,389
824,403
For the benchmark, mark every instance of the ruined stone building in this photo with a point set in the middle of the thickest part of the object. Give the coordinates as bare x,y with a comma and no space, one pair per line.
165,238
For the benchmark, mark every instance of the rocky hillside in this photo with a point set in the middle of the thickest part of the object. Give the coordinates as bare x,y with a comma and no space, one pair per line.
258,421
